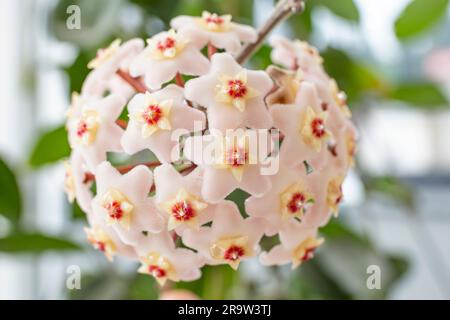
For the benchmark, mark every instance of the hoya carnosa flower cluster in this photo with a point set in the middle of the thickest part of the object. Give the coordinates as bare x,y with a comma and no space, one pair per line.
173,214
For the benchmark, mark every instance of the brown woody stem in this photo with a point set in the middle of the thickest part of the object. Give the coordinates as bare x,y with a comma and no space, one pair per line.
134,82
179,80
211,50
283,10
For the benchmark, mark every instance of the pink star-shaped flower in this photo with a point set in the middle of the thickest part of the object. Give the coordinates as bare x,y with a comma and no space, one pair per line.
104,238
229,240
305,126
92,127
161,259
179,197
342,151
167,54
108,61
231,161
75,183
155,117
217,30
298,245
292,196
232,95
124,203
295,54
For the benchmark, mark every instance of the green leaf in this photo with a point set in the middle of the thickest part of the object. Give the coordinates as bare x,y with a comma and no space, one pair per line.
10,198
419,16
217,282
98,22
343,8
424,95
301,24
391,187
78,71
143,287
355,78
35,243
52,146
239,196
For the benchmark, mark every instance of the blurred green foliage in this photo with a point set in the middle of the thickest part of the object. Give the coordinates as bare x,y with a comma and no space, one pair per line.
10,197
50,147
20,242
419,16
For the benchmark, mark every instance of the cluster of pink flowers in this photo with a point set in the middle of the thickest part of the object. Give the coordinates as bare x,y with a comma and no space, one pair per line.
173,214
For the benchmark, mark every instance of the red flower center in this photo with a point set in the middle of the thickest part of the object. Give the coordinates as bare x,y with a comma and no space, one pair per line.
165,44
114,210
101,246
234,253
214,19
318,127
156,271
183,211
297,202
236,89
236,157
339,198
82,128
309,254
152,114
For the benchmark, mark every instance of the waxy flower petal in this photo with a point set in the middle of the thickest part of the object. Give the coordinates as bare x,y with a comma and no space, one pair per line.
217,30
179,197
93,130
298,245
110,60
75,183
104,238
124,202
229,240
161,259
231,161
292,196
304,125
155,118
232,95
167,54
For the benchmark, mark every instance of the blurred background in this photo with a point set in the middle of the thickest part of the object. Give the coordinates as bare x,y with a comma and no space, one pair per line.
391,57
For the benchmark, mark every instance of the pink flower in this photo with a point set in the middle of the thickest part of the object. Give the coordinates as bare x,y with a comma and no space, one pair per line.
75,183
167,54
298,245
231,238
153,119
161,259
179,197
326,187
232,95
295,54
108,61
104,238
123,202
229,162
92,127
292,196
343,149
217,30
305,127
437,65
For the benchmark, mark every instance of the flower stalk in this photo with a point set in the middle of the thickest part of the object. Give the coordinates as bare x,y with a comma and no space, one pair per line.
283,10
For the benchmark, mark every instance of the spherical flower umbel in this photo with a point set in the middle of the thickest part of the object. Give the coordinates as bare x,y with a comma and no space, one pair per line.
181,159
